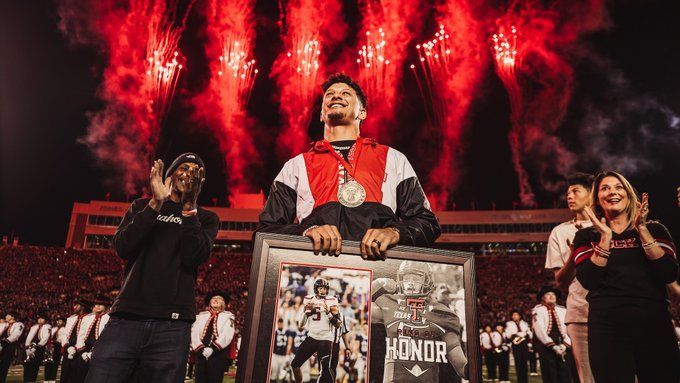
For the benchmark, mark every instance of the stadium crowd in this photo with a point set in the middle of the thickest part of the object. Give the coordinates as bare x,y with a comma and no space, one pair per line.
67,275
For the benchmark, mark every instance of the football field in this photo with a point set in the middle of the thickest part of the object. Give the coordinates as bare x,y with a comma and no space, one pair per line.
16,373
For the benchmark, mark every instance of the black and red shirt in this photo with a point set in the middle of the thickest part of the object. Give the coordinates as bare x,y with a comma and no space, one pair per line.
628,272
305,193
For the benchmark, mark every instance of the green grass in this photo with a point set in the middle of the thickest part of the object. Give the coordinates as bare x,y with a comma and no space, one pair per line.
16,376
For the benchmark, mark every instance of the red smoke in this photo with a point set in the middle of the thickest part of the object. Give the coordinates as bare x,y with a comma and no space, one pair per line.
388,29
449,69
533,64
310,28
229,31
140,40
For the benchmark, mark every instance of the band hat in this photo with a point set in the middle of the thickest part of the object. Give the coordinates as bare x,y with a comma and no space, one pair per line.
102,300
186,157
83,302
41,315
548,289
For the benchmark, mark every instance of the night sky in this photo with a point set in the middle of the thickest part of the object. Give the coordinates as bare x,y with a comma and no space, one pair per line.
48,86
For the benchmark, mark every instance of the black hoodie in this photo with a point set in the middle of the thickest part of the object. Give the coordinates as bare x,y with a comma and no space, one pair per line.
162,253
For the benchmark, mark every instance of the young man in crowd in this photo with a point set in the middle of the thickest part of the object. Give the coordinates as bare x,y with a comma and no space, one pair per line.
560,260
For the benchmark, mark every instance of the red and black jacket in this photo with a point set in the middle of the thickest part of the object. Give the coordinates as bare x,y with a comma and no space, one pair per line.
304,194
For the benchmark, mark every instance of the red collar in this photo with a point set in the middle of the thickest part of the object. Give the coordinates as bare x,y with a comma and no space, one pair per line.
320,147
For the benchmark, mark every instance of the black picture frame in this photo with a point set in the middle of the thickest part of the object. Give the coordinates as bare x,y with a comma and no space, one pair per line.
271,250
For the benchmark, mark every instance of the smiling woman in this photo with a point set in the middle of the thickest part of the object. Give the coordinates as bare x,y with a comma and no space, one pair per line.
625,261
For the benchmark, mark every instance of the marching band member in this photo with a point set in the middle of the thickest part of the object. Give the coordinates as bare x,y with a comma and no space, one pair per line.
502,351
69,336
488,346
90,329
519,334
553,342
36,342
54,348
211,334
10,332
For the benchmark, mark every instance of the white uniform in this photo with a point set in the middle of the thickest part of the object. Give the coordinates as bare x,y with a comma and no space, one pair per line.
57,334
40,338
542,322
318,325
72,325
512,329
12,332
89,324
485,339
223,330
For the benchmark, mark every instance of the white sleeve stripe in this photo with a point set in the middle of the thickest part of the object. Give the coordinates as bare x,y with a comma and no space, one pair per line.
667,247
397,169
584,252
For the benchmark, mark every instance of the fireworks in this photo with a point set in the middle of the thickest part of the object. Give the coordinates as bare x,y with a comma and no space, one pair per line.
222,104
161,79
163,66
436,67
386,33
138,83
304,68
504,50
373,65
236,72
449,68
377,76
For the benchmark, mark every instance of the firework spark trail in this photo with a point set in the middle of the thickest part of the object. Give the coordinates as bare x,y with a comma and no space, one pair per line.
309,28
222,104
375,76
388,28
506,60
140,41
450,67
534,67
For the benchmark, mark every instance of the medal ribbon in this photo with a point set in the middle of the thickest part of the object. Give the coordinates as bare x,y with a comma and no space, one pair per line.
349,168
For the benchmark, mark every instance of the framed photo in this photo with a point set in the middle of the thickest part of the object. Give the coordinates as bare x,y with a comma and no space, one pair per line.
411,318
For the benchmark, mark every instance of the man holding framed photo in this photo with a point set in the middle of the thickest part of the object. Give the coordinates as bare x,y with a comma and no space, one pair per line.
349,187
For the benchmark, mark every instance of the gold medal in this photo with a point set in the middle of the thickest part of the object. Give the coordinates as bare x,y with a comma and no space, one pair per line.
351,194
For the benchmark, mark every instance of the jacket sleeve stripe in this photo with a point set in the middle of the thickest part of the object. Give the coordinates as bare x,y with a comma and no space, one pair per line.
582,253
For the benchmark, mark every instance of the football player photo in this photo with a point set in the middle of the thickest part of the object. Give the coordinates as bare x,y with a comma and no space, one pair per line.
416,315
317,310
